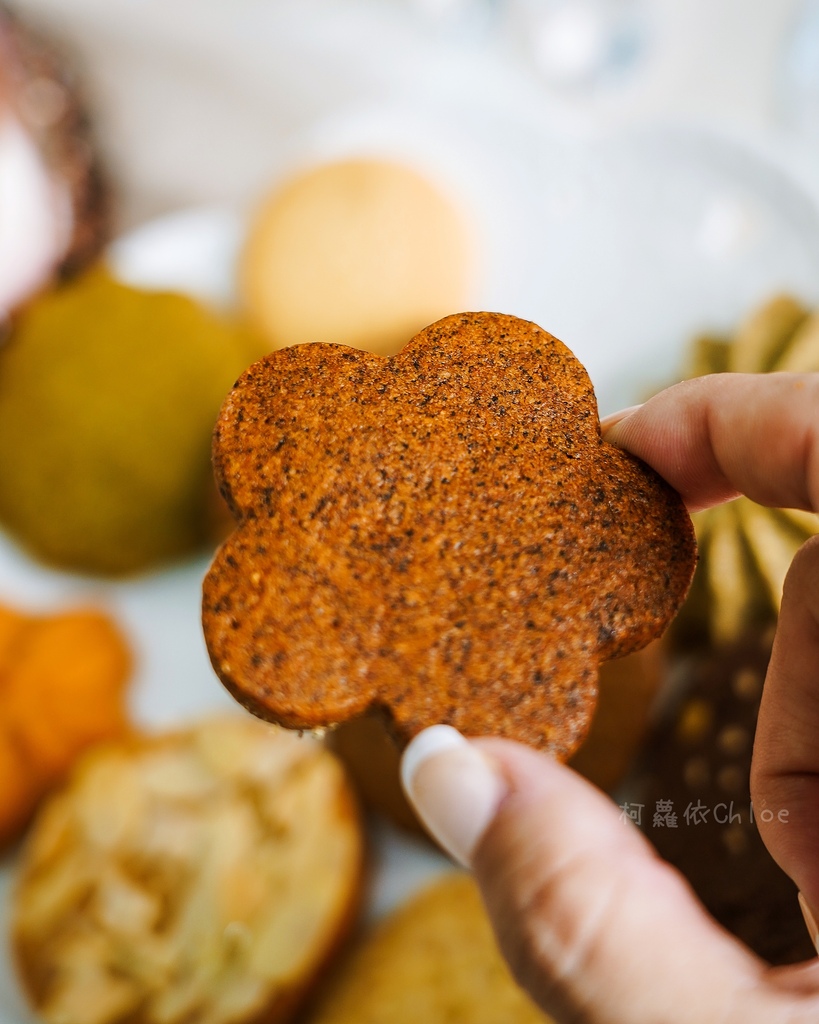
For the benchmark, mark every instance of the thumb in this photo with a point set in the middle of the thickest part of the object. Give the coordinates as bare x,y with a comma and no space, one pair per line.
594,925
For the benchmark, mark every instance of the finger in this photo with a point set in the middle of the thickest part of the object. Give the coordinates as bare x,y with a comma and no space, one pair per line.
785,771
593,924
729,433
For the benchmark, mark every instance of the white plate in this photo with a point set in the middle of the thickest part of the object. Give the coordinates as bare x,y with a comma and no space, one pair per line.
623,248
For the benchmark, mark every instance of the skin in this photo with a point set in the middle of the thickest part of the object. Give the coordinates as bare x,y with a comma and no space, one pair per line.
593,923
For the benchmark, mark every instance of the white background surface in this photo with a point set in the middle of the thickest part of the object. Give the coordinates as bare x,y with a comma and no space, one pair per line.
232,80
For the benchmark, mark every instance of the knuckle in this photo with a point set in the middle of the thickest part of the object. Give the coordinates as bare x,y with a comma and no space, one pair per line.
552,930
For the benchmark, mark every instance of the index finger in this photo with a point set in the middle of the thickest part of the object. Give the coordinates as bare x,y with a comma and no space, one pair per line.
726,434
716,437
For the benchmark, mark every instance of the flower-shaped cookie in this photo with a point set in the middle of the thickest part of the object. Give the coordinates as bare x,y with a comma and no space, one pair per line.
441,535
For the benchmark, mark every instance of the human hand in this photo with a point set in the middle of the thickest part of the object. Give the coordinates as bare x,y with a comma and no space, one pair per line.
595,926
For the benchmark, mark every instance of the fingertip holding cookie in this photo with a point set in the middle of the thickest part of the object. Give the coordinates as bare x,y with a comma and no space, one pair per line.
454,788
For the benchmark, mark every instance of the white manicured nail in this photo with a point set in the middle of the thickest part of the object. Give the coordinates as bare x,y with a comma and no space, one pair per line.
453,787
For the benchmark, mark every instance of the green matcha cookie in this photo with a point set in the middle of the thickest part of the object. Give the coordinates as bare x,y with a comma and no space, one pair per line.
108,396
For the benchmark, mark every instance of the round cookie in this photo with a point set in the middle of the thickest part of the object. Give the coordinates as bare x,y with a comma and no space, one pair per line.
372,759
108,396
434,960
628,689
205,875
53,191
359,252
62,690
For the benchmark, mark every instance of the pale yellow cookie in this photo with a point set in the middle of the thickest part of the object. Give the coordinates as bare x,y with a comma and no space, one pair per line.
357,252
201,876
433,962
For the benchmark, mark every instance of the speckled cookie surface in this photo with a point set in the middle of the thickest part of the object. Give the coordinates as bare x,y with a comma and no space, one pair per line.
441,535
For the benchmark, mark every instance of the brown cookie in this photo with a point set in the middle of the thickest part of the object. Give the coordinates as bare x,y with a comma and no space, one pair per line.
373,763
441,535
627,688
695,800
41,89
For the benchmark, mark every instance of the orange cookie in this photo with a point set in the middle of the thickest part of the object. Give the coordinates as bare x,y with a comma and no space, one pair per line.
441,535
63,688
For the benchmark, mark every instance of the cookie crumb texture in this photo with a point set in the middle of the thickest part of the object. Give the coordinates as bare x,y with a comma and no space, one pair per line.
180,880
441,536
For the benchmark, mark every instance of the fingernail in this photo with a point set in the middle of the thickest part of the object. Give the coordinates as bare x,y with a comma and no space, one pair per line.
810,921
617,417
453,787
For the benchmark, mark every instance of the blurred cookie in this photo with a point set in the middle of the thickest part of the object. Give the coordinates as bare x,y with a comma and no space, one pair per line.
696,805
205,875
108,396
358,252
441,536
53,193
372,759
628,688
62,689
434,960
